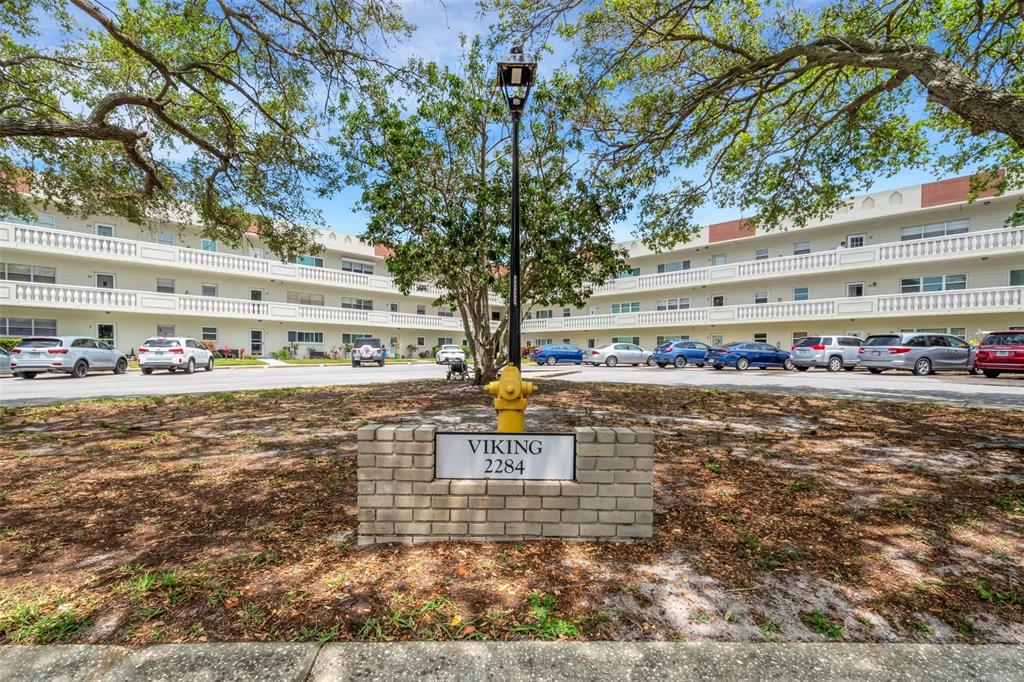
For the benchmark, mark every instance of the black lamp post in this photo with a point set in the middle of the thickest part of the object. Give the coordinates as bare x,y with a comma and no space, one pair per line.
516,75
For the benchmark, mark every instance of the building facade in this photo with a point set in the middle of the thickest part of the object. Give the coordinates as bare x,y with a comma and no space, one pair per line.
909,259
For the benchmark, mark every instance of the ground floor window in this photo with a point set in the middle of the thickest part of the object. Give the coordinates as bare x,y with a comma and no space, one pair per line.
591,343
797,336
209,333
24,326
305,337
635,340
165,330
542,342
761,337
107,333
354,338
444,341
420,341
672,337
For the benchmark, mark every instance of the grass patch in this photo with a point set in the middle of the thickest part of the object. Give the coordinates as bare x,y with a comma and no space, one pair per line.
44,620
542,622
821,624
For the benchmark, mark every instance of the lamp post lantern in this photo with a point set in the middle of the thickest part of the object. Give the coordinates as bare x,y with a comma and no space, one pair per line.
516,74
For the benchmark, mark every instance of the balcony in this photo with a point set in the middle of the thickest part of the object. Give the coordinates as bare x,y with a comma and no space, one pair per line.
93,298
996,300
989,242
22,237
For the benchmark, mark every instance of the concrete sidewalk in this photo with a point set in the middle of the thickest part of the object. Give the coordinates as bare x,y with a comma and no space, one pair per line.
512,661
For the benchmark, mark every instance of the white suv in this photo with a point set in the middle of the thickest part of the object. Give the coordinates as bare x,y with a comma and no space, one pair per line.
449,352
174,353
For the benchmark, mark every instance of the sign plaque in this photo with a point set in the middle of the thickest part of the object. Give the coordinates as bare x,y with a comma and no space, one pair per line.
518,456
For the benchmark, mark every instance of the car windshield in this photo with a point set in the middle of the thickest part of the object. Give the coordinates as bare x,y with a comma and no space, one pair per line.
39,343
451,347
886,340
161,343
808,341
1007,339
663,345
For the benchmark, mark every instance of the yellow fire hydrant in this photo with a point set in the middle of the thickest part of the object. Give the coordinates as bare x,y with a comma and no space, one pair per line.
510,393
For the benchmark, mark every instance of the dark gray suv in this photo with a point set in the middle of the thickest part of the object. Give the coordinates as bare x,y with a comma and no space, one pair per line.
919,352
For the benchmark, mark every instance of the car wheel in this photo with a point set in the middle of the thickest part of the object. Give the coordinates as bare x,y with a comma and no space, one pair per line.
662,364
190,367
650,362
801,368
680,361
355,363
718,366
26,375
923,367
380,363
147,370
990,373
835,363
742,364
788,365
973,371
875,370
80,369
700,364
551,360
121,367
611,361
209,364
172,370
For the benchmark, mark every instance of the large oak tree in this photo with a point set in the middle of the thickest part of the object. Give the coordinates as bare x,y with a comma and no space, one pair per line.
785,109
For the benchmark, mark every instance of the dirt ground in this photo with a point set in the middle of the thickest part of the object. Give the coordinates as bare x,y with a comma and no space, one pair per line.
231,517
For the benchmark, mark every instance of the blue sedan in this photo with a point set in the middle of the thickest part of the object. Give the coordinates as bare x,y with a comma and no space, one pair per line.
744,354
679,353
554,353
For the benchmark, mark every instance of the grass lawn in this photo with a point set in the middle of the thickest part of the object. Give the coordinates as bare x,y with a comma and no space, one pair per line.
222,362
226,516
340,361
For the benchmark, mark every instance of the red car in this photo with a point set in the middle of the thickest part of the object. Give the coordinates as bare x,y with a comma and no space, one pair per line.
1001,352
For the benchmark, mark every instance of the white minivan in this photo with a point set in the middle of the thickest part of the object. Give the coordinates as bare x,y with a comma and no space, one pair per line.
173,353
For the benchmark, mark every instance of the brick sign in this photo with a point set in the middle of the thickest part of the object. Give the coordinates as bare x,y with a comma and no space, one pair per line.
526,456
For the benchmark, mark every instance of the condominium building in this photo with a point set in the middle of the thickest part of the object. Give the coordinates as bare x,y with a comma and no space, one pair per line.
912,258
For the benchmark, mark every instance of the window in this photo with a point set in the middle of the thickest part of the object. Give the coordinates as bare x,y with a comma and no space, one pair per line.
563,341
761,337
718,260
165,238
801,293
302,298
718,301
1017,278
305,337
356,303
855,241
797,336
761,254
450,312
392,307
447,341
958,331
255,253
209,245
22,326
356,266
421,309
165,285
670,337
544,315
311,261
104,280
41,220
420,341
800,248
935,229
105,333
914,285
209,289
495,316
672,304
355,338
761,296
209,334
629,272
674,266
854,289
591,343
566,312
28,273
165,330
626,339
631,307
103,230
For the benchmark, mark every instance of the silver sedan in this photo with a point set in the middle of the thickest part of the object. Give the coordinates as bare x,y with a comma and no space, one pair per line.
618,353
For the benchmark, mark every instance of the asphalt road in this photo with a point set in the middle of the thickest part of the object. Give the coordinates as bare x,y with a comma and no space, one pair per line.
958,389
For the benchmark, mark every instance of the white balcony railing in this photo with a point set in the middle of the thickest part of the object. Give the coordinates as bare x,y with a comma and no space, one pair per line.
1002,299
163,256
93,298
1002,240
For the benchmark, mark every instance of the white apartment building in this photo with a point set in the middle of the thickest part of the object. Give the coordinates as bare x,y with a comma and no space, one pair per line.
914,258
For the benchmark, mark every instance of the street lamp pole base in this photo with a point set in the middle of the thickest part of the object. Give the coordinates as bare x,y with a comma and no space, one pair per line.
510,393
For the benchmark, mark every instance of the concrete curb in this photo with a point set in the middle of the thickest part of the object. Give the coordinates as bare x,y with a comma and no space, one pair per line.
513,661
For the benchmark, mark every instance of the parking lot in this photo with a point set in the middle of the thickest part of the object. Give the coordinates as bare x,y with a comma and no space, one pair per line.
962,389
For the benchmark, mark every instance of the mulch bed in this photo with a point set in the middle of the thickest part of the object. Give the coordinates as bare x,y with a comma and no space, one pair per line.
229,517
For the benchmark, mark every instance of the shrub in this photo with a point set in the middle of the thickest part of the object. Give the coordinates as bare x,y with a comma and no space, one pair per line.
8,343
283,354
424,354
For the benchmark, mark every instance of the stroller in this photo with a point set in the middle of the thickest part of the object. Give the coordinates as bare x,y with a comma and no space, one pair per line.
458,369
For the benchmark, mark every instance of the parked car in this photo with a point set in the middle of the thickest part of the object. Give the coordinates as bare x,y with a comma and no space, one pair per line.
449,352
680,353
370,351
1001,352
831,352
612,354
917,352
744,354
5,361
553,353
174,353
74,355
